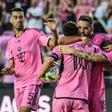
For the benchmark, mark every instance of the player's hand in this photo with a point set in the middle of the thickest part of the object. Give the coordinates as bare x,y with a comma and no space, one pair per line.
107,48
51,24
66,49
86,40
45,81
7,71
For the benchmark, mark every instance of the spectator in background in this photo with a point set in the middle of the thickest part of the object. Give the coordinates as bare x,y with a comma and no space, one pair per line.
82,8
109,23
34,15
2,17
25,5
65,11
98,26
48,12
101,9
9,5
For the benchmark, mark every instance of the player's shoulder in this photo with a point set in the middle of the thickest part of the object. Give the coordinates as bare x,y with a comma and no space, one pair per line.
100,35
11,40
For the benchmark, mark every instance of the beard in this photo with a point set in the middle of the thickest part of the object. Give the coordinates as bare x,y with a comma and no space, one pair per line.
20,27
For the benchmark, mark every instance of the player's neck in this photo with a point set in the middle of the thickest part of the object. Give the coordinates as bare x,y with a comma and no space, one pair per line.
18,33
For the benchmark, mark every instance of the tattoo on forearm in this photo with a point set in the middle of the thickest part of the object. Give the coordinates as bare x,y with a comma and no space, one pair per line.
90,57
86,56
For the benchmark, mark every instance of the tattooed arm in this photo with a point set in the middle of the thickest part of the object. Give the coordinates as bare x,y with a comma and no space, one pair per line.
87,56
90,57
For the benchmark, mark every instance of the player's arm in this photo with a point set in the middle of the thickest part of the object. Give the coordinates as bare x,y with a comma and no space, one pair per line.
51,23
9,70
45,67
90,57
87,56
65,40
53,41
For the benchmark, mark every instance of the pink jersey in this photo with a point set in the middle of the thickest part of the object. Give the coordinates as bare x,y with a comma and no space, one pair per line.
99,38
75,77
97,77
26,53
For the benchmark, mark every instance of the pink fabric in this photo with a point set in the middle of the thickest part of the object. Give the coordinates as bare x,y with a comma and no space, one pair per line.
27,56
27,96
97,101
100,38
75,77
97,78
69,105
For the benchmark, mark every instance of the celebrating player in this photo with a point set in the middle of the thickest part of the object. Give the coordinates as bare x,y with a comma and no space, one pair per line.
25,60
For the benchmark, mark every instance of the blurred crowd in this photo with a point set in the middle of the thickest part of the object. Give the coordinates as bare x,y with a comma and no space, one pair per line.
37,12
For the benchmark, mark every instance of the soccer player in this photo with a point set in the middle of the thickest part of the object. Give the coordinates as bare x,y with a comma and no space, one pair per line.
71,92
105,58
25,60
97,88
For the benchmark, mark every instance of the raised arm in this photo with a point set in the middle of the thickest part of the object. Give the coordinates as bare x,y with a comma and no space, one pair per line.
51,23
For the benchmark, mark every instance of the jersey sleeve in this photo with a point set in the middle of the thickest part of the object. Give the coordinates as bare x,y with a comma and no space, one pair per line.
41,37
56,54
100,38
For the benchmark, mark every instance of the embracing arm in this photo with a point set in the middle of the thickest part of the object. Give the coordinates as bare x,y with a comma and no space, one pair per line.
87,56
90,57
46,65
64,40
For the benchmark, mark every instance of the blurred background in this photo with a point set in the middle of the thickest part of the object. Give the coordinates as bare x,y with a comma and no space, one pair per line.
36,12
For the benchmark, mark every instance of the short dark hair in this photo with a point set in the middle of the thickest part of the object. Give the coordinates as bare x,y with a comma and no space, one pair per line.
70,28
16,9
104,44
86,18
